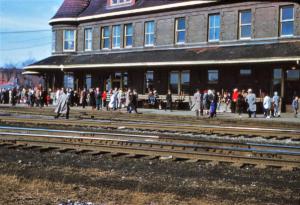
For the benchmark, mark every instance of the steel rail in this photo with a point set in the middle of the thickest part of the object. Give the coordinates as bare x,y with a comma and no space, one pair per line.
162,138
274,133
273,157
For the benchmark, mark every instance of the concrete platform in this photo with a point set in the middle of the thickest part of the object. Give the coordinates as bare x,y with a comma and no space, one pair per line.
285,117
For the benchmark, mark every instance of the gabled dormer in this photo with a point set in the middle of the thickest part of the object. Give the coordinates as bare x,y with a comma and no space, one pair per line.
120,3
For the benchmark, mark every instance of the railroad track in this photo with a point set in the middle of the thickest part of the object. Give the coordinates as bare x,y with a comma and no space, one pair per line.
153,146
158,127
121,116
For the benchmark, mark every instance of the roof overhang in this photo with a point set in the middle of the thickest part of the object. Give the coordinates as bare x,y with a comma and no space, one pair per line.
132,11
165,64
288,52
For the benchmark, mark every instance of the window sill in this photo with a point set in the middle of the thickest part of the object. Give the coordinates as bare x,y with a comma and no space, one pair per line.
69,51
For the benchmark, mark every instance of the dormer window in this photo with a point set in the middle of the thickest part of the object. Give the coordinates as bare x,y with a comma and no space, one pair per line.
120,2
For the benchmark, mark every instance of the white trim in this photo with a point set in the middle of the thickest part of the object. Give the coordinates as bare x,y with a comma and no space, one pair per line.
287,20
132,11
247,24
30,73
89,40
75,36
180,30
170,63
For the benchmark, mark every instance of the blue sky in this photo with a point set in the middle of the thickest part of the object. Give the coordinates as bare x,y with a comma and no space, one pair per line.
25,15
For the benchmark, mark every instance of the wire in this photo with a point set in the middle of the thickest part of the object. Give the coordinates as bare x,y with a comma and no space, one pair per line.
20,32
20,48
28,40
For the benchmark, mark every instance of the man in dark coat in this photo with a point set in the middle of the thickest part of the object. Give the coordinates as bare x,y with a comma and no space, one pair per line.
169,101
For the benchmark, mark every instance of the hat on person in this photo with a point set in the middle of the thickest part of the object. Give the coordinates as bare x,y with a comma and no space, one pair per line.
249,90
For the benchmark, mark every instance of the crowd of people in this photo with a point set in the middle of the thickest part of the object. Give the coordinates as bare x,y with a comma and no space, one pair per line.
207,102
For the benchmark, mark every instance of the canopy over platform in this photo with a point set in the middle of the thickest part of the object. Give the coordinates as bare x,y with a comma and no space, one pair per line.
216,55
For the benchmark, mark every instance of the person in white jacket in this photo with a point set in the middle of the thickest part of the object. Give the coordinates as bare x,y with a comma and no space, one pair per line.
267,105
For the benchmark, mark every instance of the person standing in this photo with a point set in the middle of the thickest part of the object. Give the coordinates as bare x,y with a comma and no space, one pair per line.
234,100
63,106
83,98
251,101
92,98
108,96
104,95
276,101
98,99
14,97
198,103
239,104
169,101
295,105
267,105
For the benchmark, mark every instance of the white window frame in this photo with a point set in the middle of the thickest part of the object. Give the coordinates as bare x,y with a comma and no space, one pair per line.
64,34
103,38
53,41
147,44
88,41
125,2
115,38
287,20
246,24
126,36
214,27
180,30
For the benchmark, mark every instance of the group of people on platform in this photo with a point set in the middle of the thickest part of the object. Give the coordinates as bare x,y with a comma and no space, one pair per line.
110,100
207,102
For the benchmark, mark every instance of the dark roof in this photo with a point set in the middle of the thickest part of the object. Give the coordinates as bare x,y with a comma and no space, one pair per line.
100,6
80,8
254,52
71,8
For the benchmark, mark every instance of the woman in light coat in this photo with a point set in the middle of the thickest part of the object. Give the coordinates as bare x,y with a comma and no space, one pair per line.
251,101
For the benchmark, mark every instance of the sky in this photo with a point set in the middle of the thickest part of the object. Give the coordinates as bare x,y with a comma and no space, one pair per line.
24,30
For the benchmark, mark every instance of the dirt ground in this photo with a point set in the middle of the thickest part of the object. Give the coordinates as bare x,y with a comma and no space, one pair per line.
31,177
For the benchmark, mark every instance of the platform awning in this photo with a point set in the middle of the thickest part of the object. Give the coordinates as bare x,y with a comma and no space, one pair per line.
214,55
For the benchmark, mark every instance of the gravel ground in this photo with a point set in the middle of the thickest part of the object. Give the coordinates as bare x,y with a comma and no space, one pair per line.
31,177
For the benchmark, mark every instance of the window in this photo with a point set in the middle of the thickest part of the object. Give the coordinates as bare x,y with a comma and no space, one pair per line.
287,21
69,80
128,33
149,79
88,39
245,24
69,40
120,2
185,82
116,36
149,33
214,27
245,72
53,41
105,37
88,81
180,30
277,76
180,82
174,81
293,75
213,76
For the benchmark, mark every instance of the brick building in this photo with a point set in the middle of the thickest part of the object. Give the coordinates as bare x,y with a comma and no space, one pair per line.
175,44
